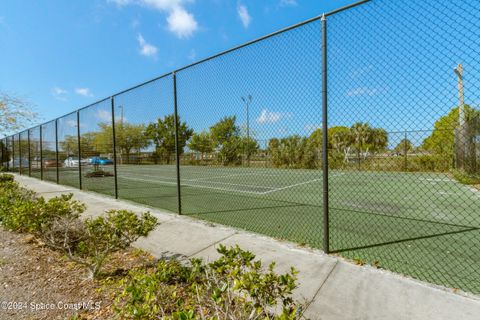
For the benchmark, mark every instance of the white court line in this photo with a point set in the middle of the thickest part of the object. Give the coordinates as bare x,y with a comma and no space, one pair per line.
443,193
227,176
291,186
436,180
195,186
217,182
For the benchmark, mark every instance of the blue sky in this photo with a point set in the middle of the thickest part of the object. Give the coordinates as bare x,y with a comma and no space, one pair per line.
62,55
390,61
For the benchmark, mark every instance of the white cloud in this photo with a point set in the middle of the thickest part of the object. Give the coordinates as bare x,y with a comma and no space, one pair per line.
244,15
59,93
120,3
288,3
71,123
83,92
365,91
146,49
104,115
271,116
181,23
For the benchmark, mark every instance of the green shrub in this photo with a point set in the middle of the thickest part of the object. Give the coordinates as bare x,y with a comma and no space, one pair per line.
6,177
57,223
17,207
235,286
22,211
467,178
92,241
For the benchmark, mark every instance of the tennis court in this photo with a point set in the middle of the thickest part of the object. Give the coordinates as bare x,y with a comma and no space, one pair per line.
415,223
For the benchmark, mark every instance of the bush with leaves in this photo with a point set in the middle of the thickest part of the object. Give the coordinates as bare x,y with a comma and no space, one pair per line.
17,207
21,210
5,177
57,222
235,286
92,241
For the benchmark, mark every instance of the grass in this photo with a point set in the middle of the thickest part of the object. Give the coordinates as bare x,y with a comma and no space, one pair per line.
424,225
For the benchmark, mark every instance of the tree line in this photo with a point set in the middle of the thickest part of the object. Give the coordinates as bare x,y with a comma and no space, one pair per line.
225,143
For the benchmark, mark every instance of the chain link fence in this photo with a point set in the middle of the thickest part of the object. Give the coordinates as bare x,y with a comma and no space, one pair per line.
357,132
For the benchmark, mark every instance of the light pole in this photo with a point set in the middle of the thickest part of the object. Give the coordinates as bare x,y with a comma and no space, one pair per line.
248,100
121,114
461,119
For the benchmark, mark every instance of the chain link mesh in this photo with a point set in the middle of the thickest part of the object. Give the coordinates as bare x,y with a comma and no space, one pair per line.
68,157
403,140
49,156
24,153
255,114
145,161
96,148
35,155
395,138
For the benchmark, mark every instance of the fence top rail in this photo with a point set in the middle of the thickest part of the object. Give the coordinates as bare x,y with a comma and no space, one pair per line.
215,56
272,34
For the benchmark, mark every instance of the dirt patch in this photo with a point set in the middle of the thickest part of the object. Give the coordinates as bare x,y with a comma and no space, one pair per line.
38,283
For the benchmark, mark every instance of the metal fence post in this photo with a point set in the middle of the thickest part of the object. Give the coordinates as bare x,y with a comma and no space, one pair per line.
13,153
20,154
29,154
405,150
326,226
1,151
41,153
56,151
114,147
177,156
79,152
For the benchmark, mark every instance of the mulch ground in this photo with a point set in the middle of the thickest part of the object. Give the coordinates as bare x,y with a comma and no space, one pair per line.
38,283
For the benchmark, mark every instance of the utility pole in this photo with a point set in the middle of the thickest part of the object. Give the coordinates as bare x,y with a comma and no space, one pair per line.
247,100
460,133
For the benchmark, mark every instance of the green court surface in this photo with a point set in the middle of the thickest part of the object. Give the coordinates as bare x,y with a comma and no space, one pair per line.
424,225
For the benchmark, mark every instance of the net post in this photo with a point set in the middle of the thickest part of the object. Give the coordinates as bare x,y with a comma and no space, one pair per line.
56,151
79,152
326,225
114,145
177,153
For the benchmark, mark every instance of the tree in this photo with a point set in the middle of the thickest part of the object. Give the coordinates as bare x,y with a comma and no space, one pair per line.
404,147
378,140
340,140
250,146
128,138
88,146
227,140
15,113
360,133
292,152
367,139
442,140
224,130
69,145
202,142
162,133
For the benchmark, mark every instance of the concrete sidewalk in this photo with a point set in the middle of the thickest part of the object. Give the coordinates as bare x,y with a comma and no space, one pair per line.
332,287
